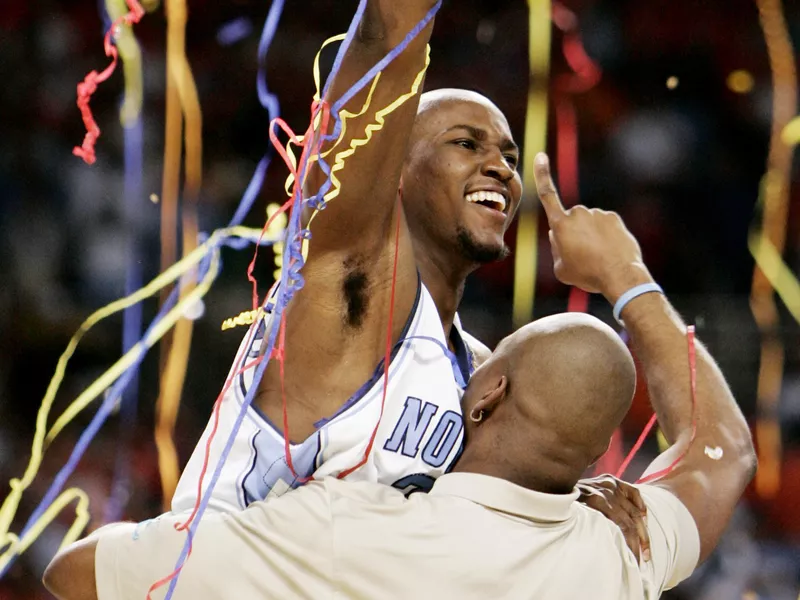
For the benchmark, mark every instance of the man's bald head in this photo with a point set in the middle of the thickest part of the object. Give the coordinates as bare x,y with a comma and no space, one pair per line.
552,394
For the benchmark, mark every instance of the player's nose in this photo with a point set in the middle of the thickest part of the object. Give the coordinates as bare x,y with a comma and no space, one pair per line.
496,166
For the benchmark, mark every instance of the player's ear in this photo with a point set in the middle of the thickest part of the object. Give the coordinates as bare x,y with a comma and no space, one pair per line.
492,396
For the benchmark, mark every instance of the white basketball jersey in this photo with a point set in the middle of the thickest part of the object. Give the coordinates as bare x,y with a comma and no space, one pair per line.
418,438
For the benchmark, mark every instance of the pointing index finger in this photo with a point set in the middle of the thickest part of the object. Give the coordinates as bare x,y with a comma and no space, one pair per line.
548,195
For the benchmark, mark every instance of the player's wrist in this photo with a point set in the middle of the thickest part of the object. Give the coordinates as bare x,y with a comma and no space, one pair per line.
623,278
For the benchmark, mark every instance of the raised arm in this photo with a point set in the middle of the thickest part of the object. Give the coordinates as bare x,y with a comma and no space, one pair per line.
361,216
720,462
592,249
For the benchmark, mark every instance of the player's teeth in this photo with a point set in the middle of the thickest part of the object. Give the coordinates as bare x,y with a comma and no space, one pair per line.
483,196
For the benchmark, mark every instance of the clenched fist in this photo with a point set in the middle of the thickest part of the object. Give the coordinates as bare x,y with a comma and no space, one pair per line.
592,248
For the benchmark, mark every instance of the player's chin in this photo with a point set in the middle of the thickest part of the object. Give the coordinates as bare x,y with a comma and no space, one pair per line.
482,247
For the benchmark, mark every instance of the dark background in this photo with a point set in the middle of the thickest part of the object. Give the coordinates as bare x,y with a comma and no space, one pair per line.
681,165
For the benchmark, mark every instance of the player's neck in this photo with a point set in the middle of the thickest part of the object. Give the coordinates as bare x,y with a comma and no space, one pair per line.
540,473
445,282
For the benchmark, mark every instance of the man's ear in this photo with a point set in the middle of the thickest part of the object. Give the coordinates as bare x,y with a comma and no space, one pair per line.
492,397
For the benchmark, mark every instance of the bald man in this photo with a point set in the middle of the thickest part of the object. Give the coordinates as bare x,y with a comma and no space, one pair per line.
504,523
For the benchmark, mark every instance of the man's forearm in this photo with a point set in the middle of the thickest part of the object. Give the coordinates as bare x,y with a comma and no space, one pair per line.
718,464
660,342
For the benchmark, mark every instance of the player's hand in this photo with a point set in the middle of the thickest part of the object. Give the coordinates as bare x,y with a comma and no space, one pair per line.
592,248
621,503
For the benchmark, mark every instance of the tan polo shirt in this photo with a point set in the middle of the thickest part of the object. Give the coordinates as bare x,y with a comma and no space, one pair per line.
472,536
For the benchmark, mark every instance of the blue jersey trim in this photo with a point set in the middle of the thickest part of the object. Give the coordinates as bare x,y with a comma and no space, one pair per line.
250,470
463,353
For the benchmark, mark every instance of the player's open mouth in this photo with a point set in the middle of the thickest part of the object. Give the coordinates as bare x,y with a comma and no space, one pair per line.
493,200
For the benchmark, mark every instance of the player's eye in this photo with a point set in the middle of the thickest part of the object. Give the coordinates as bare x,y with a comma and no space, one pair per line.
466,143
512,159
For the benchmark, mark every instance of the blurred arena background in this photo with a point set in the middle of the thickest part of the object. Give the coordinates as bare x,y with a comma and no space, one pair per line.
674,137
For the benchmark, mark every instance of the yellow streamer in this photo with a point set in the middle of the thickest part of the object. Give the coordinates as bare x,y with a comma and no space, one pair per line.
275,231
340,157
372,128
791,133
247,317
768,245
183,105
131,55
777,272
42,437
526,253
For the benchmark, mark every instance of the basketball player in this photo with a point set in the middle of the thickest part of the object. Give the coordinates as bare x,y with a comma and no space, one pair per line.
460,190
504,524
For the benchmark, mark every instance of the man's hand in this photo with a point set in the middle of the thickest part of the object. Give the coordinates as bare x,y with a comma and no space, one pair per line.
621,503
592,248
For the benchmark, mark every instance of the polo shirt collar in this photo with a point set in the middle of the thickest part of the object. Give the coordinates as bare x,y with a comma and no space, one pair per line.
504,496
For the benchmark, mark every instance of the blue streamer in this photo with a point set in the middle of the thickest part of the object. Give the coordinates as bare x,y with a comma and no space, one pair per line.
270,102
107,406
291,279
132,321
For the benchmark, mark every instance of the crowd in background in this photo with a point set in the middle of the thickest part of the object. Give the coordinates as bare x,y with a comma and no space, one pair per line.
663,140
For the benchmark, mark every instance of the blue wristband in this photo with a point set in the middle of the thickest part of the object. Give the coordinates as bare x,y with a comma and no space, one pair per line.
632,293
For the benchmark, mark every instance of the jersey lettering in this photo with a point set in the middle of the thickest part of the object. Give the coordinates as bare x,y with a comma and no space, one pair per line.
414,423
443,439
411,426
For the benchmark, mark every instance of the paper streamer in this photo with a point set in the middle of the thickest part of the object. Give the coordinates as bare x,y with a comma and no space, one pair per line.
775,204
206,259
131,120
585,75
526,252
203,258
181,91
291,279
89,85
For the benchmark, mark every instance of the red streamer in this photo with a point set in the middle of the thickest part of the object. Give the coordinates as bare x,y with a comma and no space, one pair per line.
693,384
89,85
